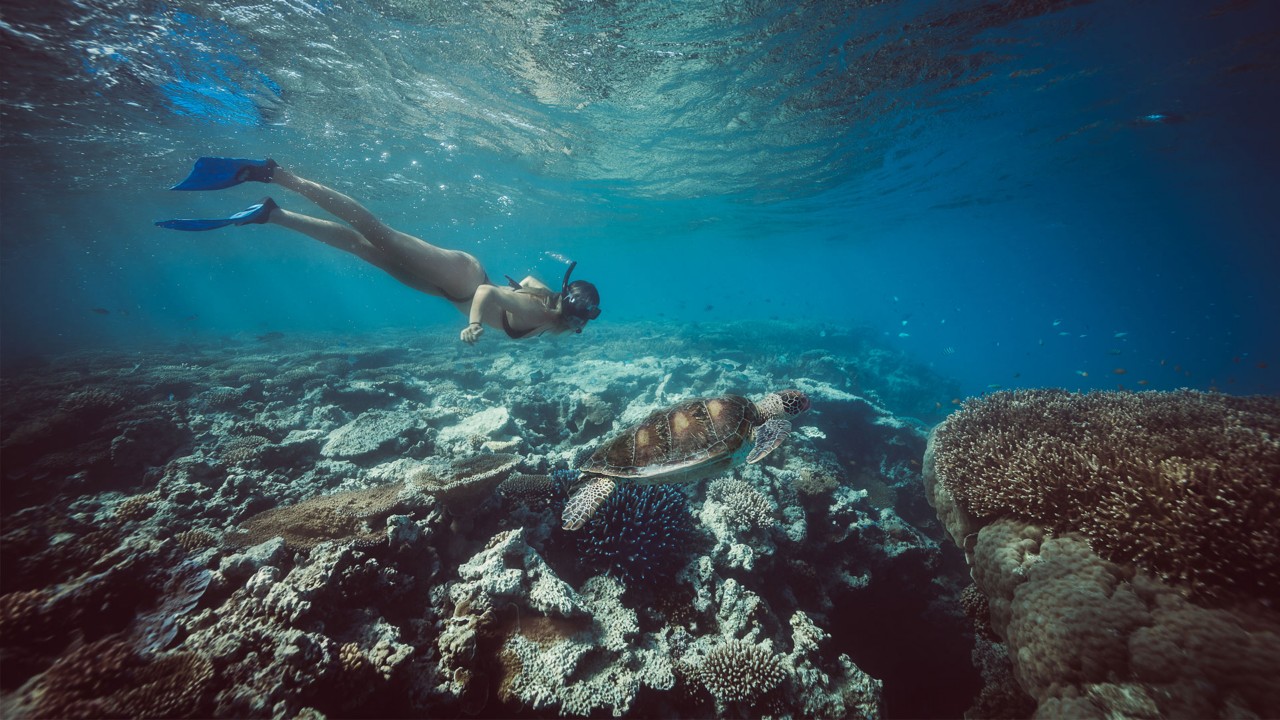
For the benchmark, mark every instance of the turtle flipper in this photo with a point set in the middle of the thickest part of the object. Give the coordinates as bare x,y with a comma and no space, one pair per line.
768,437
584,502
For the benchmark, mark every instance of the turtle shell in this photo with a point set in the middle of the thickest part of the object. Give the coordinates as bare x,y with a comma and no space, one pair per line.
672,442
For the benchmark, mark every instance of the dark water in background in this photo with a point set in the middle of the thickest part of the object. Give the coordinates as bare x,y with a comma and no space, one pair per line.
1014,194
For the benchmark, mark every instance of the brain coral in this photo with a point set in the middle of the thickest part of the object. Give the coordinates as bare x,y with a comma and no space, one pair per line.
640,532
1184,484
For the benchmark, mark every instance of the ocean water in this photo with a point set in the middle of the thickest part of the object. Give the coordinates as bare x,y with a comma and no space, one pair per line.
902,204
1012,196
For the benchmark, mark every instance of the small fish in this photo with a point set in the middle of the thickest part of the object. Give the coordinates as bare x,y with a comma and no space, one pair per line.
994,386
709,308
904,334
1121,334
1114,351
1056,323
1119,371
1159,118
271,336
101,311
1262,365
955,401
1082,373
1143,383
1064,333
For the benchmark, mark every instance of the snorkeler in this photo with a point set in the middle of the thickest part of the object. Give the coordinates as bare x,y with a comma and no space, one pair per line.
521,309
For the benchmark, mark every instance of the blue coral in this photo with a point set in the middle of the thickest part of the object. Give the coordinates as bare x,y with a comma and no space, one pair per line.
639,534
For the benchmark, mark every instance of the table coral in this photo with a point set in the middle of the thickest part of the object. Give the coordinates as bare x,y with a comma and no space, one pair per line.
350,516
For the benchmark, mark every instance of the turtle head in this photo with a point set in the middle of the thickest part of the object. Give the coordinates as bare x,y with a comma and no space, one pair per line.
784,404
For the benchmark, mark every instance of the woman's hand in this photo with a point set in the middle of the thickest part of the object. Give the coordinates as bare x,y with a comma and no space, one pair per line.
472,333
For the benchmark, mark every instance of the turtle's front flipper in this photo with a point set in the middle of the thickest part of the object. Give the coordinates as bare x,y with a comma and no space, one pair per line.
768,437
585,501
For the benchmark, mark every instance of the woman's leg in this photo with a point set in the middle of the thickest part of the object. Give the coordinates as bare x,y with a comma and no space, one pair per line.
344,238
411,260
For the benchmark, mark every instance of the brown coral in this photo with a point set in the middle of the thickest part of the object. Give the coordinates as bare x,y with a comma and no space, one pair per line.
1184,484
1090,637
533,491
109,678
469,482
1122,542
136,507
348,516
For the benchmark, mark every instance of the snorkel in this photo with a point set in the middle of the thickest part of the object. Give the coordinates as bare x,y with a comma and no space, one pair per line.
579,300
564,284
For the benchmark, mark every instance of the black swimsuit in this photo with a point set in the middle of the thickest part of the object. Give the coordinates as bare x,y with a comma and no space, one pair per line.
512,332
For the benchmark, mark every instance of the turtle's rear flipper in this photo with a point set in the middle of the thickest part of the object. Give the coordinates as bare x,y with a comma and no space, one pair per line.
768,437
585,501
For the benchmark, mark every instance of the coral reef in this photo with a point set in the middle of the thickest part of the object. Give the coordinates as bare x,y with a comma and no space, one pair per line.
280,529
1097,529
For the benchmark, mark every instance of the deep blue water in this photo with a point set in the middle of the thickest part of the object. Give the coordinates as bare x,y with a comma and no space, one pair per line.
1041,194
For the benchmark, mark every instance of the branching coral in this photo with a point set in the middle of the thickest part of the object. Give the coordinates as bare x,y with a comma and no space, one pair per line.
1184,484
744,506
641,532
738,671
1122,542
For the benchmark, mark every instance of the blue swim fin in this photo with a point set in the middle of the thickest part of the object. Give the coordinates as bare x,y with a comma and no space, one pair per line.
215,173
252,215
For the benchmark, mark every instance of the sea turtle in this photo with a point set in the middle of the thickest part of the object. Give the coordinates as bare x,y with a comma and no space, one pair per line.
684,443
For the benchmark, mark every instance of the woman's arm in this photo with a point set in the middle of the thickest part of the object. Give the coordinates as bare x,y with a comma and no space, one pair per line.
491,301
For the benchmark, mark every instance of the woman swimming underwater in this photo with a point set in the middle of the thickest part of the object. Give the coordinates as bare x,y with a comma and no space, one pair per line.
521,309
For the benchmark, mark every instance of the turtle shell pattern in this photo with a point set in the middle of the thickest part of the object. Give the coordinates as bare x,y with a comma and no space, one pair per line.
681,438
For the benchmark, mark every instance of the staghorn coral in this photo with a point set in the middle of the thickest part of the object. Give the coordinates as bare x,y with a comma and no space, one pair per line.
1183,483
347,516
739,672
640,533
